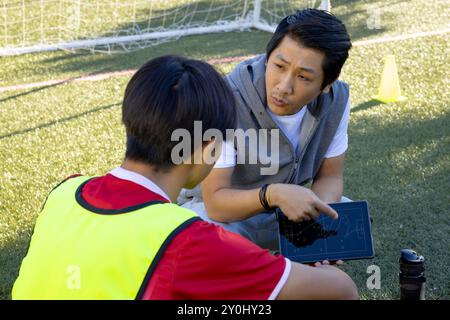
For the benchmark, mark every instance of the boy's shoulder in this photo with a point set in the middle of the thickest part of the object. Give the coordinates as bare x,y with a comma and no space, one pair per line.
76,175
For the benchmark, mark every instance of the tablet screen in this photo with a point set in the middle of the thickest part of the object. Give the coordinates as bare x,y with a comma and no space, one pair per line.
347,238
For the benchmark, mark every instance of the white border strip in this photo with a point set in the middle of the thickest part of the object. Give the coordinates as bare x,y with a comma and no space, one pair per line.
282,282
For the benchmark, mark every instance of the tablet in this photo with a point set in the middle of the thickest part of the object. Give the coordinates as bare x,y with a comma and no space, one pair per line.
347,238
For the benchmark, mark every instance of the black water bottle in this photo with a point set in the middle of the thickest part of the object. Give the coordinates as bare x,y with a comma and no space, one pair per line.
412,279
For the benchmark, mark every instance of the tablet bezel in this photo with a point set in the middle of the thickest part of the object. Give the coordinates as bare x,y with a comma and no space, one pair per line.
338,207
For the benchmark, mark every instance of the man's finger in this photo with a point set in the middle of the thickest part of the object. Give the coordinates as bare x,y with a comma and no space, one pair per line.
336,262
324,208
313,212
297,219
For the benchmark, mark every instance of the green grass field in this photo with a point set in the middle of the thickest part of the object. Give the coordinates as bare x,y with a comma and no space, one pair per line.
398,159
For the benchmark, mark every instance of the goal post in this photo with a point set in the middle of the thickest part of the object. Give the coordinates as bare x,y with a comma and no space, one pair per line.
127,25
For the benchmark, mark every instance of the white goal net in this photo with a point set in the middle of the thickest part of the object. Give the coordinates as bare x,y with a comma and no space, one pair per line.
125,25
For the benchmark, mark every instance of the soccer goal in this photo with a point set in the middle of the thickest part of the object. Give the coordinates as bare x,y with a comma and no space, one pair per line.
127,25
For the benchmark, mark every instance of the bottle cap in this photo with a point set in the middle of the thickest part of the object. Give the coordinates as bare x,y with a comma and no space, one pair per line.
411,263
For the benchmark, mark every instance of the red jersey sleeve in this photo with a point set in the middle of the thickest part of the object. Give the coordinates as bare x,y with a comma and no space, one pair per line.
205,261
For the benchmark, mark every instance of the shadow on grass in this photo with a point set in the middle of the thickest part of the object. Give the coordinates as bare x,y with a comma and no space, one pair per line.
198,47
58,121
11,256
58,83
22,94
366,105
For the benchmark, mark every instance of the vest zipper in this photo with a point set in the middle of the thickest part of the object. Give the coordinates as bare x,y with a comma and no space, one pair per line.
293,171
302,154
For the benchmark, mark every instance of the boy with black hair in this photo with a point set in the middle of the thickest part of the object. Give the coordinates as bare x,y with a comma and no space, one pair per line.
120,236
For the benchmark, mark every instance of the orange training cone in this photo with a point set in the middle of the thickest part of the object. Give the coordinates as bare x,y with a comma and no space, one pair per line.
389,90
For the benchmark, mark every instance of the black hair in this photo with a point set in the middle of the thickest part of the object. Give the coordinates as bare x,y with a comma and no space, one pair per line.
168,93
320,30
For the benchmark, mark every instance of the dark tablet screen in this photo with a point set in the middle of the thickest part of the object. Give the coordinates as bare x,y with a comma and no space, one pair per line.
347,238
